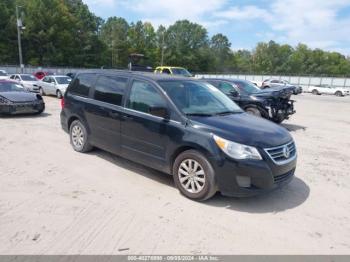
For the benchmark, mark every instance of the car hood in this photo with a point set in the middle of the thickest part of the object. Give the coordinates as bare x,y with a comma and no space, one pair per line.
20,96
29,82
244,128
273,93
63,86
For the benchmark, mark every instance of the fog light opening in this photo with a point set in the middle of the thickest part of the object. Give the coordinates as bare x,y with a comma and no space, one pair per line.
243,181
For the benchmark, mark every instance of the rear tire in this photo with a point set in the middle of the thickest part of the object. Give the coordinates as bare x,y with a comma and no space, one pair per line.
314,92
59,94
194,176
253,111
79,138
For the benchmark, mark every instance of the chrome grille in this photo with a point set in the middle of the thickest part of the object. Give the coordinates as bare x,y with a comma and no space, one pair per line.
282,154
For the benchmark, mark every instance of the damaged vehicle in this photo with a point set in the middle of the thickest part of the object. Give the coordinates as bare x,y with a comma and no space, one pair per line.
274,105
14,99
281,84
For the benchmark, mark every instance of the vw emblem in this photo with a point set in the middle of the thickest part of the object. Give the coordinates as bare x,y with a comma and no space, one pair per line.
286,152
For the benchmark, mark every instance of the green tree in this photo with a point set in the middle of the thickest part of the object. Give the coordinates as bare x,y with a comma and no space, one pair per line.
8,33
186,44
114,34
220,48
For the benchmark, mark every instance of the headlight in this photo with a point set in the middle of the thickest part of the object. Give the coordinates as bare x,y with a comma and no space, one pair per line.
4,101
235,150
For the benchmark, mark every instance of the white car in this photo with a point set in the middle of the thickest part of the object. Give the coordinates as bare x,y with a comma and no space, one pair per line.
29,82
3,75
54,85
329,90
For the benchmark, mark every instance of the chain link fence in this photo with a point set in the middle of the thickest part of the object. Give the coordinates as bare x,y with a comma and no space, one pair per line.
304,81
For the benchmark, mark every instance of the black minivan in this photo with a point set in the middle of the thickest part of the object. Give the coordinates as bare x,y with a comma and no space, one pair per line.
180,126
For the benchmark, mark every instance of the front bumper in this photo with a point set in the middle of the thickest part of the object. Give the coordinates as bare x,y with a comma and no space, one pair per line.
31,88
281,111
264,175
22,108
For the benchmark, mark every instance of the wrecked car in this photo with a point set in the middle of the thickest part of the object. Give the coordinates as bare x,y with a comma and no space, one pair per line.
274,105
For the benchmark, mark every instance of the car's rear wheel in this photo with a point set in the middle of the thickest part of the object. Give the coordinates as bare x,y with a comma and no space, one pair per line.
338,93
41,91
253,111
59,94
314,92
79,137
194,176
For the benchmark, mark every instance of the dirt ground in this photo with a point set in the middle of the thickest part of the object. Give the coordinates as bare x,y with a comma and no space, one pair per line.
56,201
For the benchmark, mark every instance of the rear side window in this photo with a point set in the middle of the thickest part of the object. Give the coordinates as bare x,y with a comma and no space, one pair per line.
82,84
166,71
110,89
143,96
226,88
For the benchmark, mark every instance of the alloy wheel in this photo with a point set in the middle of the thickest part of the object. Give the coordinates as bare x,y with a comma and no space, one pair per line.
191,176
77,136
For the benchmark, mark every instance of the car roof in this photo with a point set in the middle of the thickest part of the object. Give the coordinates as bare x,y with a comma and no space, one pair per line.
169,67
145,75
7,81
224,79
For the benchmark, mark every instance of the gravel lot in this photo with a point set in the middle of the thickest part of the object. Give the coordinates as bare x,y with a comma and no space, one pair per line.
56,201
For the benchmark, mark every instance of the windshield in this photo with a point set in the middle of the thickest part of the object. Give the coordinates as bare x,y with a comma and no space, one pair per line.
62,80
2,73
28,78
197,98
247,87
10,87
181,71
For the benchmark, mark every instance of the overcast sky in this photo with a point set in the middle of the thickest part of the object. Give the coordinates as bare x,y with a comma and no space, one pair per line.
318,23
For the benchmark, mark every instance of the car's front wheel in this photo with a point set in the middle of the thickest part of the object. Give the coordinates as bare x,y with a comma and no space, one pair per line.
314,92
79,137
194,176
253,111
338,93
41,91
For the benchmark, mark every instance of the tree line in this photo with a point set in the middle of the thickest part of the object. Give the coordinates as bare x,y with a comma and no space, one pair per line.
66,33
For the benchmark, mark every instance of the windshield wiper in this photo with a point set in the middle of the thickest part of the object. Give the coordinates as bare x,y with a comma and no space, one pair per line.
198,114
226,113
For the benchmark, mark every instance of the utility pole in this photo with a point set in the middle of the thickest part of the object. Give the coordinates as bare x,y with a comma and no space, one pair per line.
19,30
163,47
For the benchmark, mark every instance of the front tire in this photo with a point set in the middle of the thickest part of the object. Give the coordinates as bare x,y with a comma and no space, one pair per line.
314,92
338,93
79,138
41,91
253,111
194,176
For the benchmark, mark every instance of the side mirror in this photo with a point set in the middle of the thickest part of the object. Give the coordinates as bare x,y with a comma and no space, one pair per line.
234,93
159,111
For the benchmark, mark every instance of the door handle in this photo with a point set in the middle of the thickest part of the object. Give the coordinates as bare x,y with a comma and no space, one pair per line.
114,114
127,117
